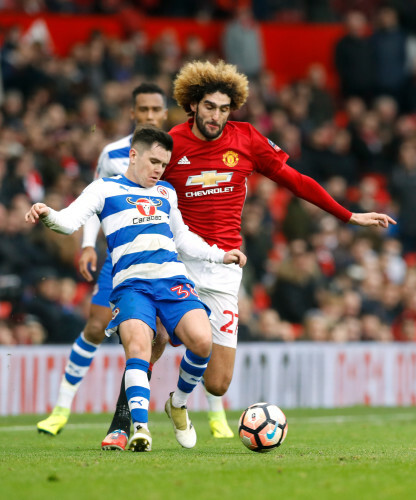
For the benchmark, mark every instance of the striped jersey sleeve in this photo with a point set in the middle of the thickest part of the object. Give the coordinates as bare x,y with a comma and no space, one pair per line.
70,219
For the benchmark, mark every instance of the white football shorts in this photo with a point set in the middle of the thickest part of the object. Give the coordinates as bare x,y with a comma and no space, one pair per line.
217,286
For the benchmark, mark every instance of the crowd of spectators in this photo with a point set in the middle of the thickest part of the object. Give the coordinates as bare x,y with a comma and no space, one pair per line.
309,276
263,10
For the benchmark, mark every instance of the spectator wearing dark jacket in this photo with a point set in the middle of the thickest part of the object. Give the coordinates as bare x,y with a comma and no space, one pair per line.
354,59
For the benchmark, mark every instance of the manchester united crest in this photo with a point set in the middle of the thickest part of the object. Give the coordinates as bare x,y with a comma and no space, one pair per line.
230,158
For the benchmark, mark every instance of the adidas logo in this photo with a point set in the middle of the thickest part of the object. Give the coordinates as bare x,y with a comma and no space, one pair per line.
184,161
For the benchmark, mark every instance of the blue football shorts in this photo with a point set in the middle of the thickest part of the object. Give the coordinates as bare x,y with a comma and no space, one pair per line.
104,286
169,299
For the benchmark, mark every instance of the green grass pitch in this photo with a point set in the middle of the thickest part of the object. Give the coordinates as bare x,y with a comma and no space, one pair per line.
350,453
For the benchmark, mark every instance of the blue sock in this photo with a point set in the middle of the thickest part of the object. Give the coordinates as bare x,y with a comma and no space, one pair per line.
137,390
80,359
191,370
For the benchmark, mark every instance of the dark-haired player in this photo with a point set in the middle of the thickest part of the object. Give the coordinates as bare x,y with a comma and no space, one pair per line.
148,107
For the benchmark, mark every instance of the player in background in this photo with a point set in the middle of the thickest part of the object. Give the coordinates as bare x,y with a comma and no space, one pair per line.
144,229
211,160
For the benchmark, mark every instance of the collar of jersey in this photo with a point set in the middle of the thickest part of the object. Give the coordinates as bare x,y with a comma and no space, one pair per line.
131,183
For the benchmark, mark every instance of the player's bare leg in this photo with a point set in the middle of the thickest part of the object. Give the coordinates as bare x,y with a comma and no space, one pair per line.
217,379
119,431
159,344
80,359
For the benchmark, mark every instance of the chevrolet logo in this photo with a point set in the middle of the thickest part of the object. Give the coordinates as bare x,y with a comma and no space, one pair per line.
209,178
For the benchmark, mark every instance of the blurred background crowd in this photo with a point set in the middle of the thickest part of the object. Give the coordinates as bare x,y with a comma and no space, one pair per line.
309,276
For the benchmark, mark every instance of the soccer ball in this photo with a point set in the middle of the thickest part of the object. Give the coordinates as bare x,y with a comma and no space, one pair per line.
262,427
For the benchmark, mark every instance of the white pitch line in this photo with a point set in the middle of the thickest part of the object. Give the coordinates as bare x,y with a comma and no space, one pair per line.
342,419
19,428
336,419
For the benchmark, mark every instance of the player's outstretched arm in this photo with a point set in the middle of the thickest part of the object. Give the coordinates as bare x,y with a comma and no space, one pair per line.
71,218
371,219
38,210
235,257
87,261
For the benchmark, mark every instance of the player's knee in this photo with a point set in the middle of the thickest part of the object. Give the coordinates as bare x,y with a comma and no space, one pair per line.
202,346
217,386
133,350
94,331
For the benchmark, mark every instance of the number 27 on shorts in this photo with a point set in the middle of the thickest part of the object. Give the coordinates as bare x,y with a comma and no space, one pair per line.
232,324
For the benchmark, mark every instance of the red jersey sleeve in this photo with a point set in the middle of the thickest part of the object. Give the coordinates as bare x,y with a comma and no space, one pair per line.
270,161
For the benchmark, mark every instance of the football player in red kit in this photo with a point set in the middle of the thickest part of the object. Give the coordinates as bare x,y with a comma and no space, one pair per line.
211,160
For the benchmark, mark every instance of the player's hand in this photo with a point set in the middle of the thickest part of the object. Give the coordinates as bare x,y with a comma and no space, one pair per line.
235,257
37,210
371,219
87,261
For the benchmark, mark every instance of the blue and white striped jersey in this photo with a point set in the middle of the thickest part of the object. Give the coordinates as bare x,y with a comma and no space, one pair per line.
143,227
114,158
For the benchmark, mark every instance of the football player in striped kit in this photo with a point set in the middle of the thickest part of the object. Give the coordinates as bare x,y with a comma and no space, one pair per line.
149,107
144,229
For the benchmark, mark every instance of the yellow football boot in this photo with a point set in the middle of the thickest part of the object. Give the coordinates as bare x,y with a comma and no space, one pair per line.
219,425
55,422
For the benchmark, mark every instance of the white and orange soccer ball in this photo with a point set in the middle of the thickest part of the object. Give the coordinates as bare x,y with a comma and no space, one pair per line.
262,427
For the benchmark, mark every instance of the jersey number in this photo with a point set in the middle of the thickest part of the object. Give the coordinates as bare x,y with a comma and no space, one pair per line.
226,328
184,294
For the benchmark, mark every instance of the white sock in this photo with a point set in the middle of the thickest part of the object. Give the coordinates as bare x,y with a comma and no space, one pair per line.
179,398
214,402
140,424
66,394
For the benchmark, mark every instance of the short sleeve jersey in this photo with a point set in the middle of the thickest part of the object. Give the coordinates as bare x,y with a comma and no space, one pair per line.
210,177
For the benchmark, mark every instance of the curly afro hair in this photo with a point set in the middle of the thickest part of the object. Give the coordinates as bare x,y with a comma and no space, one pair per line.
198,78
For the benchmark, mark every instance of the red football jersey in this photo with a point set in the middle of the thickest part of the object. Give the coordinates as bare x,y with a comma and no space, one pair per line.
210,179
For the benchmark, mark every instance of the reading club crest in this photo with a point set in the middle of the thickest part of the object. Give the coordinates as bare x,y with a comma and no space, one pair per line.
230,158
163,191
144,206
